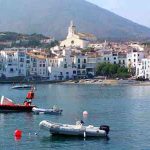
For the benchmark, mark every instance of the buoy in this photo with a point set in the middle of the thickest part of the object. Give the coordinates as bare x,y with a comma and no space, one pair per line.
18,133
85,113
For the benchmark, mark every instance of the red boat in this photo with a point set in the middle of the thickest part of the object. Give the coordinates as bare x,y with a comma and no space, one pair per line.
16,108
7,105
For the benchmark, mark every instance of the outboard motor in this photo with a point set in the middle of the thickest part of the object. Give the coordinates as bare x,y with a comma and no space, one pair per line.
105,128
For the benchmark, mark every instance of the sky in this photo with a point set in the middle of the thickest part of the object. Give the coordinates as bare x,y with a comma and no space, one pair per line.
135,10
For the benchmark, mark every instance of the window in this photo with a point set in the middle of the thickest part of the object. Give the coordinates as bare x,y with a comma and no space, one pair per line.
27,56
28,61
43,65
83,72
78,60
21,54
114,62
65,65
134,60
114,54
72,42
40,65
114,58
119,61
78,72
34,60
123,61
67,73
21,59
34,64
11,70
104,58
74,72
78,66
84,60
83,66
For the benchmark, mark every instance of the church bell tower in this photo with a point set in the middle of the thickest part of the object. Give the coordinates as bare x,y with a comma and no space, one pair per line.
71,30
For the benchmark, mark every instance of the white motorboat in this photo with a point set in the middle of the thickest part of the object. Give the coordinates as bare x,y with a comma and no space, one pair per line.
75,130
24,86
52,111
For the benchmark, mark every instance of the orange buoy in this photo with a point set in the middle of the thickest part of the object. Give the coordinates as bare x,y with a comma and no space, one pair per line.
18,133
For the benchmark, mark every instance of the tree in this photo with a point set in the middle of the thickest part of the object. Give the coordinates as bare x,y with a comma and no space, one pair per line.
112,70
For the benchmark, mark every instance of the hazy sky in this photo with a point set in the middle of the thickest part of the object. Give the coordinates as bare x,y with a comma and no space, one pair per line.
135,10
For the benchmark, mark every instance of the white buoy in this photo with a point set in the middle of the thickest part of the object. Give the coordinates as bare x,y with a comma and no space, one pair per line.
85,113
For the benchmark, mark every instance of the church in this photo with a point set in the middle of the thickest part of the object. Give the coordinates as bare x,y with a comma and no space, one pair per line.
76,39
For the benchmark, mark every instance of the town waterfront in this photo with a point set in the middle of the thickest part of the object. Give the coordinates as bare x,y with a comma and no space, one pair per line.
124,108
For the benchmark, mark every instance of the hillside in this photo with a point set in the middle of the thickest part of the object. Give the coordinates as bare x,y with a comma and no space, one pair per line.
52,17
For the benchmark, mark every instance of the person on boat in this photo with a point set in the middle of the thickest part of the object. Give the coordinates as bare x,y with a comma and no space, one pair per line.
79,123
30,96
26,103
55,108
82,122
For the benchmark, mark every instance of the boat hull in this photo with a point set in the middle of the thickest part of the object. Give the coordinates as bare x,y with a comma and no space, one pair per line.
47,111
22,87
72,130
15,108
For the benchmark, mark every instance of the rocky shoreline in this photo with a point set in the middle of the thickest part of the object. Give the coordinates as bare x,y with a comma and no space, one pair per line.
108,82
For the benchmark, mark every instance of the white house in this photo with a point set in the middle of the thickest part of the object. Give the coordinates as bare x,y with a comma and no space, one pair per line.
143,69
134,58
62,67
80,62
10,63
37,64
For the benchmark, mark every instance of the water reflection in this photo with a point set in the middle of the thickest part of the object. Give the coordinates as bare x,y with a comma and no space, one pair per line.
63,138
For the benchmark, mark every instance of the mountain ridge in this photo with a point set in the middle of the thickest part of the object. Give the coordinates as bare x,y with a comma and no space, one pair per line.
52,17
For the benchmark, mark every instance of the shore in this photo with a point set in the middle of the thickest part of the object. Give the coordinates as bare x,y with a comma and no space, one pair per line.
102,82
108,82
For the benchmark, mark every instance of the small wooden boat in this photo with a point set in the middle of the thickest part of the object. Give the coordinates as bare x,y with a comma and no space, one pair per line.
51,111
75,130
8,105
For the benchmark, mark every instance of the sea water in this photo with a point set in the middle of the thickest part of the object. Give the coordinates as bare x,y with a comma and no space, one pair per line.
126,109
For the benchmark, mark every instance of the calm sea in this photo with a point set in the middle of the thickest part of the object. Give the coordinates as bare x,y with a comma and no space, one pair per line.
126,109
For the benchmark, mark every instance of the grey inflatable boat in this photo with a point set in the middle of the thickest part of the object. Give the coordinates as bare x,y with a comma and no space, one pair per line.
75,130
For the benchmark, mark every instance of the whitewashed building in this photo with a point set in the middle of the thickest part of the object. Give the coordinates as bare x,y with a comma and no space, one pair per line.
143,69
62,67
134,58
76,39
37,64
80,62
9,63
